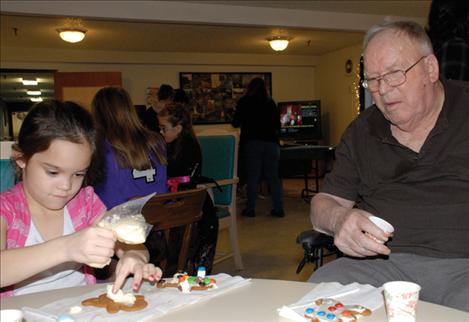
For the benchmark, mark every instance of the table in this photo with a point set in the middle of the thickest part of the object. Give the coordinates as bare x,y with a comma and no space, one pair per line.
307,153
257,302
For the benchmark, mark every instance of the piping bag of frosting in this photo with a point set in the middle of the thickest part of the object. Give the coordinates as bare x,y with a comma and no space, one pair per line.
127,221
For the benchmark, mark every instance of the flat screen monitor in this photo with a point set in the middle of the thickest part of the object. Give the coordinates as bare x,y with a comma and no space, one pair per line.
300,120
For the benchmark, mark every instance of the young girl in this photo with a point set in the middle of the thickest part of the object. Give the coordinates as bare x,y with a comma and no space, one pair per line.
46,219
185,159
134,157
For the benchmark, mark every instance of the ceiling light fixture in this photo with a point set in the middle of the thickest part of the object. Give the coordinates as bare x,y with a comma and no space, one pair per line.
72,35
73,31
36,99
29,82
33,93
279,43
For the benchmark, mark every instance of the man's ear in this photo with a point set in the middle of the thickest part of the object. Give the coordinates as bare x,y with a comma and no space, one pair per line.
433,69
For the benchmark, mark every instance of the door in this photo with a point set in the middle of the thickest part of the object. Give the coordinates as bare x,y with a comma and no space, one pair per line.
80,87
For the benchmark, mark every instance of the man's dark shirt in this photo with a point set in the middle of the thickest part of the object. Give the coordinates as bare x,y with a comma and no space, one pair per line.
424,195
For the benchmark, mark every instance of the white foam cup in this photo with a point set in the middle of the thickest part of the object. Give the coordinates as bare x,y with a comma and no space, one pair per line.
11,316
401,299
383,224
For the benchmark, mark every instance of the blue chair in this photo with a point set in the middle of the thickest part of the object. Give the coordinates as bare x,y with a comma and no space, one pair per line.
219,161
7,169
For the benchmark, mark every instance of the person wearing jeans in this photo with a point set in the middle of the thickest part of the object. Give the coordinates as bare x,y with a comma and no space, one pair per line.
259,119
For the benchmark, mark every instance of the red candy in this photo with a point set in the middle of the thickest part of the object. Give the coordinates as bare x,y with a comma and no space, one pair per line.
332,308
346,313
339,305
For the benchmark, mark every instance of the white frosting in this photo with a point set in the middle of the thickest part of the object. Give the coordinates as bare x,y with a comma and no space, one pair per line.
129,229
120,297
130,233
185,286
75,309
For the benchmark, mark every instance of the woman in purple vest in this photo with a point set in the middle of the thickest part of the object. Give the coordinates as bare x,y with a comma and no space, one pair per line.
132,158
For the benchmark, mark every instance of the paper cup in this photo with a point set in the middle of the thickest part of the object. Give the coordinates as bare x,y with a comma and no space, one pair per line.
401,300
383,224
11,316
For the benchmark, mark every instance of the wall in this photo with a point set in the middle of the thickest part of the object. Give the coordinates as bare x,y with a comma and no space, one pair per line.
338,91
293,77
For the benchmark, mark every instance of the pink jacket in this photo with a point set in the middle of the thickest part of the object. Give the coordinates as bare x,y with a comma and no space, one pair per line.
83,210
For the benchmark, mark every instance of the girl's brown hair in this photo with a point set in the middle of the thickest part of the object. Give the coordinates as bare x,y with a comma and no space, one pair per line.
53,120
178,114
117,122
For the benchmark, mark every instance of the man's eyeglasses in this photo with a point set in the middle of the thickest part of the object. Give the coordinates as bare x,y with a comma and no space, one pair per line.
393,78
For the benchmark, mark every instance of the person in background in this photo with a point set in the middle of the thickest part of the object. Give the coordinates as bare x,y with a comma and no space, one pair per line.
404,159
259,118
180,96
448,23
185,159
47,219
132,158
164,96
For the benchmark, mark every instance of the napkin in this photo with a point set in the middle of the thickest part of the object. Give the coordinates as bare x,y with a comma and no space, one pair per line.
350,294
160,302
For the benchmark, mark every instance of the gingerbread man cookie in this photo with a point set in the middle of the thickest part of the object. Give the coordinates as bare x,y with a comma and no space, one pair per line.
186,283
114,307
329,310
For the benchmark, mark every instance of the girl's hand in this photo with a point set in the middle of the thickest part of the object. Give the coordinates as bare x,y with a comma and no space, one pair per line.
133,262
90,245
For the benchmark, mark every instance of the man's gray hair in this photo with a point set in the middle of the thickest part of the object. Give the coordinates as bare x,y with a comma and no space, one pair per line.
409,29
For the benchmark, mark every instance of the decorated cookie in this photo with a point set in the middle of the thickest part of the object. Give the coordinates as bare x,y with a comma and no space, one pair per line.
186,283
113,307
330,310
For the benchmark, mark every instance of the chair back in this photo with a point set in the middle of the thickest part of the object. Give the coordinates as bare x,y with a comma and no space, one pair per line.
178,209
219,162
7,168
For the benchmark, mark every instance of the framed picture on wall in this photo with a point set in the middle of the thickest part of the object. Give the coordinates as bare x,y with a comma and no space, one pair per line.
213,96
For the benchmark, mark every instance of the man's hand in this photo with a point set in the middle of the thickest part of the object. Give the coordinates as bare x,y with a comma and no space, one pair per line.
350,237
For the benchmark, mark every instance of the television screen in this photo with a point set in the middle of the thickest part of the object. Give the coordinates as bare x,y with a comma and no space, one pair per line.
300,120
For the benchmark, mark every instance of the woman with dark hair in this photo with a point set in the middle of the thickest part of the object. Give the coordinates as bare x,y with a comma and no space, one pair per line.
259,119
134,157
185,159
163,97
184,154
448,24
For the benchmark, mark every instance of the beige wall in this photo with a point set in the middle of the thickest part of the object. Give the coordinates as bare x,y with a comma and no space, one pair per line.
338,91
293,77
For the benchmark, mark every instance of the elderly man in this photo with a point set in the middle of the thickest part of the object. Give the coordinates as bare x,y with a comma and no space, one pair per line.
404,159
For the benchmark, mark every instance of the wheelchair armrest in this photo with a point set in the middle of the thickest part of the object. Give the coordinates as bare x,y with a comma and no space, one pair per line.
315,239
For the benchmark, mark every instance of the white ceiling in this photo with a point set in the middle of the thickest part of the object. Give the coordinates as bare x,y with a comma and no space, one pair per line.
316,27
106,32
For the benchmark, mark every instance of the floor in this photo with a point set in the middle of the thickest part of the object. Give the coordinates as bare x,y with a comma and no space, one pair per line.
268,244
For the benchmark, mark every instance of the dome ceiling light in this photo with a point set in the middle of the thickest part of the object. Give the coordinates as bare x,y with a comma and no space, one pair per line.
73,32
279,43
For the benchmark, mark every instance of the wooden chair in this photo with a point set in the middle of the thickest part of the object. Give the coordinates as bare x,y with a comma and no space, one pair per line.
220,161
178,209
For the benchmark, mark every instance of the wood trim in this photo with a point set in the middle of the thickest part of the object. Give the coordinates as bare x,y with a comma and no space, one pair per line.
84,79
